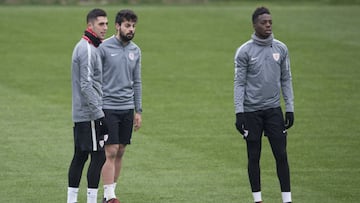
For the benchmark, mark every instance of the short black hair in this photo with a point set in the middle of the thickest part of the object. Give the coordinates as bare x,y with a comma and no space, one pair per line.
93,14
125,14
259,11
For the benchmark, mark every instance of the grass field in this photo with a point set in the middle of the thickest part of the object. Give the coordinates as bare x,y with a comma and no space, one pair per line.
188,149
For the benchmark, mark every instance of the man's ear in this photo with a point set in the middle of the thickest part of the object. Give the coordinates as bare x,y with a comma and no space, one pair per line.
254,25
117,26
89,25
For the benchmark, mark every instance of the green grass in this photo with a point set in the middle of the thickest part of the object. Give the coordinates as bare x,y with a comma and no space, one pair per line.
188,149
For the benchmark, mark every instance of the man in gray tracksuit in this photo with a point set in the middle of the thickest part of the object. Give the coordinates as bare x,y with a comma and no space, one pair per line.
121,59
262,73
87,111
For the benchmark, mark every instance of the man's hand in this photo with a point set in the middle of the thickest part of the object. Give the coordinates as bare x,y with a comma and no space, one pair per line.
289,119
137,121
240,124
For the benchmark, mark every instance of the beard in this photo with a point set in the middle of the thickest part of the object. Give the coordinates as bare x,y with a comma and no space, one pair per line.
126,38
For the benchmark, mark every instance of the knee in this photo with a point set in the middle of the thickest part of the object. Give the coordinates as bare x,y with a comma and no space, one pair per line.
98,158
111,151
254,155
80,157
114,151
281,157
120,151
255,159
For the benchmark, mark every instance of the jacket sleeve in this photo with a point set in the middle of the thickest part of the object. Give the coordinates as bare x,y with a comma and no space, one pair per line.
240,62
138,85
286,82
87,63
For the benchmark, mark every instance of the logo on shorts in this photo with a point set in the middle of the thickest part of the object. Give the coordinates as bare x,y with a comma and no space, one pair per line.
106,137
131,56
102,143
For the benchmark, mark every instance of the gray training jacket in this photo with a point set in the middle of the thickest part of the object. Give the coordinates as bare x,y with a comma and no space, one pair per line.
262,72
121,75
86,83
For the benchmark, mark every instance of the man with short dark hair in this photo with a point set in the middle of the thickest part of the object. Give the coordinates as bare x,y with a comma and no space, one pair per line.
87,111
262,73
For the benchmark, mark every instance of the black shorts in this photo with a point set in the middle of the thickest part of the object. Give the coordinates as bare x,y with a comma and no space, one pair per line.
269,121
89,136
120,126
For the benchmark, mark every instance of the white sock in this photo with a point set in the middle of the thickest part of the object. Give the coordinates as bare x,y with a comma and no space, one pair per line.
109,192
92,195
72,194
257,196
114,184
286,196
